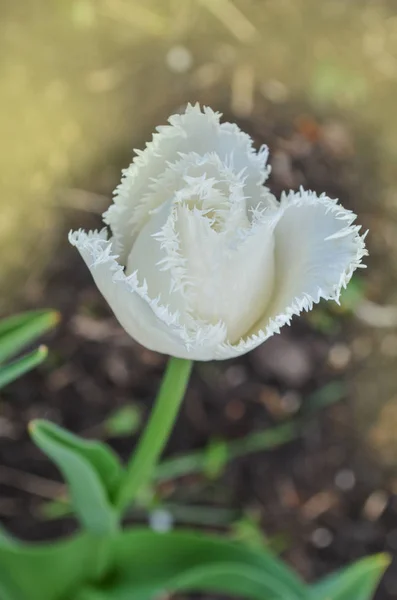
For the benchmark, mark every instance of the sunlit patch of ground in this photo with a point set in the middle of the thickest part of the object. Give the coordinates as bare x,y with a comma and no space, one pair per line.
83,81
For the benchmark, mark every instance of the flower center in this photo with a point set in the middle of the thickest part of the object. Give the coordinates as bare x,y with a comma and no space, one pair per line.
199,254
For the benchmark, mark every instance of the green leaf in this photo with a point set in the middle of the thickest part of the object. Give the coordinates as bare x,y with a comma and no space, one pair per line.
323,320
124,421
144,566
356,582
18,331
45,571
247,530
55,509
328,394
194,462
12,371
231,578
91,470
148,564
8,589
352,295
215,458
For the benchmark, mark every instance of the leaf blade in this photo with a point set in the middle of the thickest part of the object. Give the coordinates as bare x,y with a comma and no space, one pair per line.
179,559
18,331
356,582
45,571
19,367
90,470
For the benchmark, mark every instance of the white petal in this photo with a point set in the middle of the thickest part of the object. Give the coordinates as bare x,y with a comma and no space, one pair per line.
144,318
203,256
317,249
202,183
230,272
193,131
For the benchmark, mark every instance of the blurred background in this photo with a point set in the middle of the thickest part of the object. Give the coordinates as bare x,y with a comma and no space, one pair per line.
83,82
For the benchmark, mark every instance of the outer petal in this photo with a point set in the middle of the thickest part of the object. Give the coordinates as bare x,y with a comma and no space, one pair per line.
193,131
317,249
144,318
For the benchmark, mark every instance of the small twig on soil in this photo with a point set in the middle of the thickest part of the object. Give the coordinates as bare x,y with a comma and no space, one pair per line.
376,315
33,484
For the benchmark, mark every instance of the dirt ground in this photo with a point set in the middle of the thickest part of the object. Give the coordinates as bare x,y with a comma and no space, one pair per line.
321,499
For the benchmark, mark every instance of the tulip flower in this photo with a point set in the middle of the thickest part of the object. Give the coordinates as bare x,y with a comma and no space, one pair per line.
202,261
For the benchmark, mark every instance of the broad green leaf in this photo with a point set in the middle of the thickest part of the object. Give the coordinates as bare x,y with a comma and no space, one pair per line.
231,578
148,564
356,582
145,565
46,571
90,468
100,455
91,593
19,367
18,331
8,588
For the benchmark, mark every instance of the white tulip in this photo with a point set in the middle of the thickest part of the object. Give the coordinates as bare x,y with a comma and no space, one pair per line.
203,262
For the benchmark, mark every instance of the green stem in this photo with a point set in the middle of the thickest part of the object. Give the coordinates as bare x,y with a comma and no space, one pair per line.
157,431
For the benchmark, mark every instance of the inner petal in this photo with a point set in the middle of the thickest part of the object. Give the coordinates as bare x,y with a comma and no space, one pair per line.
203,182
230,272
202,254
148,255
202,187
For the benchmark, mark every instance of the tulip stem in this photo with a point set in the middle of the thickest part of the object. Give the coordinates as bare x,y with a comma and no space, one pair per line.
157,431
